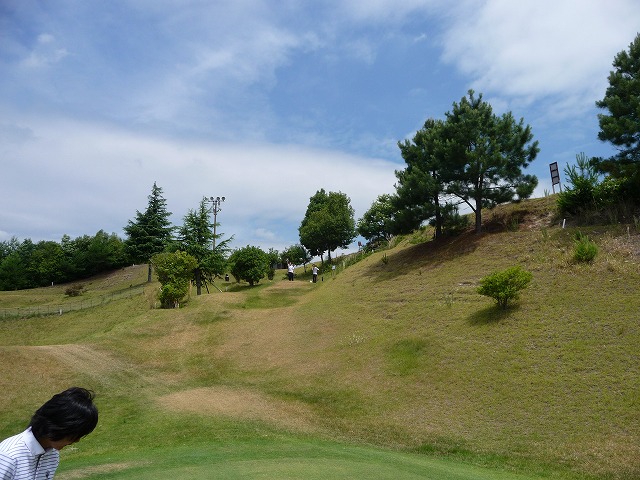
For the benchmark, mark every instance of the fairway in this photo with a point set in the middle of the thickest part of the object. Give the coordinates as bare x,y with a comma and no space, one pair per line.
280,459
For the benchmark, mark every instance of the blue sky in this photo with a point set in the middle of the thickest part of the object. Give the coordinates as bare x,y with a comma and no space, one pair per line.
265,102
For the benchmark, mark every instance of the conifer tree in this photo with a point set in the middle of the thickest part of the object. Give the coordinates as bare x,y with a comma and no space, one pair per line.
621,125
150,232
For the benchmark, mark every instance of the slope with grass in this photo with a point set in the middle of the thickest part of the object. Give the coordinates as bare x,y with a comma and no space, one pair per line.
398,352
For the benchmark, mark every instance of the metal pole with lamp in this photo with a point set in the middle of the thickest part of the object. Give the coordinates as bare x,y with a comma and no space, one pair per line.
216,208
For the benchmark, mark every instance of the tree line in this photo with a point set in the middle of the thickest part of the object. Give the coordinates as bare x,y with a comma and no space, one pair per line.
28,265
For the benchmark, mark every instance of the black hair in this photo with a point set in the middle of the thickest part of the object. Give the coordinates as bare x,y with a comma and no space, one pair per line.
70,414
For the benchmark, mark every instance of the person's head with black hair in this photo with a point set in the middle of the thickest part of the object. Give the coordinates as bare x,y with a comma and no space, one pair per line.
65,418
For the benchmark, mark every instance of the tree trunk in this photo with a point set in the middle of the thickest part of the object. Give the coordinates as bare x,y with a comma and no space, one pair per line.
438,217
478,215
198,282
478,199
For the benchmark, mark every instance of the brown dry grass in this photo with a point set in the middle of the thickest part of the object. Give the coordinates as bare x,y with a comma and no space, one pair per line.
554,378
245,404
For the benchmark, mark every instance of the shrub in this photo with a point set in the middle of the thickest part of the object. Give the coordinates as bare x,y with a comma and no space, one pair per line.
584,250
74,290
505,285
171,293
174,271
250,264
581,194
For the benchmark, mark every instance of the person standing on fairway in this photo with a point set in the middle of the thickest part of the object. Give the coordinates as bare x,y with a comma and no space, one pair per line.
314,272
64,419
290,270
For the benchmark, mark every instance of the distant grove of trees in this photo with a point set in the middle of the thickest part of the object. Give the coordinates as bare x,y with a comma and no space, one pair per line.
472,156
28,265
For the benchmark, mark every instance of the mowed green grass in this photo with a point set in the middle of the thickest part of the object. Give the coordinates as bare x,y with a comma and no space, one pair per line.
283,458
393,368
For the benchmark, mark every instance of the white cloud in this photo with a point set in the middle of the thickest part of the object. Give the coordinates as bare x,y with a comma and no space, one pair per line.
540,48
175,71
95,177
45,53
232,60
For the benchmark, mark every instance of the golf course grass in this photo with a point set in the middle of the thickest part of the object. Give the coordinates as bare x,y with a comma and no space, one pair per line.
391,366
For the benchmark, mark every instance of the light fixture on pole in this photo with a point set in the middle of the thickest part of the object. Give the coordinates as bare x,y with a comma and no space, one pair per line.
215,201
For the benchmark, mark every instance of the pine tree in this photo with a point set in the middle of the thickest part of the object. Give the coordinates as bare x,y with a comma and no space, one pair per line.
621,126
150,232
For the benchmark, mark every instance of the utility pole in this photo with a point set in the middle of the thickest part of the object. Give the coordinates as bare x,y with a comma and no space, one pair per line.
215,201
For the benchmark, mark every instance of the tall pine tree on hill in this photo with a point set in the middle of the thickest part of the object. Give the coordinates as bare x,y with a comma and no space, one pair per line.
151,230
620,125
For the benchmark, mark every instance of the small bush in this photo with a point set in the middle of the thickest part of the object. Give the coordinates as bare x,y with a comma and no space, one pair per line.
171,293
174,271
74,290
506,285
584,250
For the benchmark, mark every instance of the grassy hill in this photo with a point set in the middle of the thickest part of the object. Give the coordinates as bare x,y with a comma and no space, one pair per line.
397,351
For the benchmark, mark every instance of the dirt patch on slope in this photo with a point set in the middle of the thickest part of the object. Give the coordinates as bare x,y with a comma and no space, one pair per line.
243,404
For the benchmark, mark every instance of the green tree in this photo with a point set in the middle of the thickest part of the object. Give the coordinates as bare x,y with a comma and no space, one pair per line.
421,187
174,271
485,155
328,223
18,269
7,247
375,225
296,254
150,232
13,275
274,257
48,263
77,254
621,125
196,238
105,252
250,264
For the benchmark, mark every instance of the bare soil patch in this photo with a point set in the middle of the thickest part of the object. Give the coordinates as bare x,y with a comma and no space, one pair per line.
244,404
